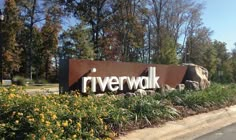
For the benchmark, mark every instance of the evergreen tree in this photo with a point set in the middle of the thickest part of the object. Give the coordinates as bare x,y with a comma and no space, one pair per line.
76,43
168,52
224,64
233,60
210,61
11,51
50,32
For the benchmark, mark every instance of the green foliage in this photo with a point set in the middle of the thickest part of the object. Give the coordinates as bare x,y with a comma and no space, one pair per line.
214,97
76,43
9,28
50,32
108,30
19,80
198,45
210,61
72,116
41,81
233,60
168,52
224,73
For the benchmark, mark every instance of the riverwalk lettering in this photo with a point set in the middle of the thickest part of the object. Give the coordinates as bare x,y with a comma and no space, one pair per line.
114,83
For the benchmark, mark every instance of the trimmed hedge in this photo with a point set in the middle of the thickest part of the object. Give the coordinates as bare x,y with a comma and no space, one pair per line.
24,116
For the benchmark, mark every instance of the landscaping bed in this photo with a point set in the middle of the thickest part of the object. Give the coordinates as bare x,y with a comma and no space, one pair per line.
24,116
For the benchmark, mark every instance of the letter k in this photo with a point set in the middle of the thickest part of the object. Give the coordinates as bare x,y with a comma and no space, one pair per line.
156,82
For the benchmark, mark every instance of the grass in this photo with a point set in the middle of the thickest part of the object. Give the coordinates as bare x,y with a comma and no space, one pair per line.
76,117
40,86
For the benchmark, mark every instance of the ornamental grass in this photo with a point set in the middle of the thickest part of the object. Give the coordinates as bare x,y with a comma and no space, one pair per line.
72,116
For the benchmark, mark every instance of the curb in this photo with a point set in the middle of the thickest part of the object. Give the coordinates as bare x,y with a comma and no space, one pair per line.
54,90
187,128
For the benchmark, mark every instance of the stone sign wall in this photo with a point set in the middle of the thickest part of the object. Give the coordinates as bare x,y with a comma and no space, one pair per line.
73,71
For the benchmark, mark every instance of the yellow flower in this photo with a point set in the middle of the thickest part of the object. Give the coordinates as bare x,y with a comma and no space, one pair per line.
11,95
33,136
43,138
31,120
74,136
70,120
3,124
112,134
65,124
91,132
47,123
44,97
41,115
13,113
20,114
13,90
105,127
17,122
42,120
58,124
5,89
101,121
54,117
78,125
36,109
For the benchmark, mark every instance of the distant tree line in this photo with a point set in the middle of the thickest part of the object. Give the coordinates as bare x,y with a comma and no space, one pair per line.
36,34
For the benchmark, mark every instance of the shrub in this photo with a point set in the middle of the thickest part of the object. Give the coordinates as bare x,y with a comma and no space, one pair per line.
19,80
72,116
41,81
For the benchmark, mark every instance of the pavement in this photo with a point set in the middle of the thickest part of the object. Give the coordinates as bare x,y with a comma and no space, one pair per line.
188,128
225,133
52,90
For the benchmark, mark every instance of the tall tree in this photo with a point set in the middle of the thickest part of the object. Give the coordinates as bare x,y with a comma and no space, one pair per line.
168,52
233,60
128,26
173,19
197,44
11,51
224,68
94,13
76,43
50,32
31,13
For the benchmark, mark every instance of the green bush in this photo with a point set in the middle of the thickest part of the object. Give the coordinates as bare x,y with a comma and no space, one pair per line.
19,80
72,116
41,81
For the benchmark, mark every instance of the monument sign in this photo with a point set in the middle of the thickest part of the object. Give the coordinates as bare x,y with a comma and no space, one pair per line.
101,76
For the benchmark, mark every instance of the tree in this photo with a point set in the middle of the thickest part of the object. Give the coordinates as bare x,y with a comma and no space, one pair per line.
30,14
224,68
233,60
76,43
11,51
50,32
168,52
94,13
128,28
210,61
177,19
197,44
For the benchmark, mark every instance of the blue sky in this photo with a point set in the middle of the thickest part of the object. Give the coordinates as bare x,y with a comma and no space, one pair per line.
220,16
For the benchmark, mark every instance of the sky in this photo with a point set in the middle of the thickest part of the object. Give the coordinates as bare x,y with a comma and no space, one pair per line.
219,16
